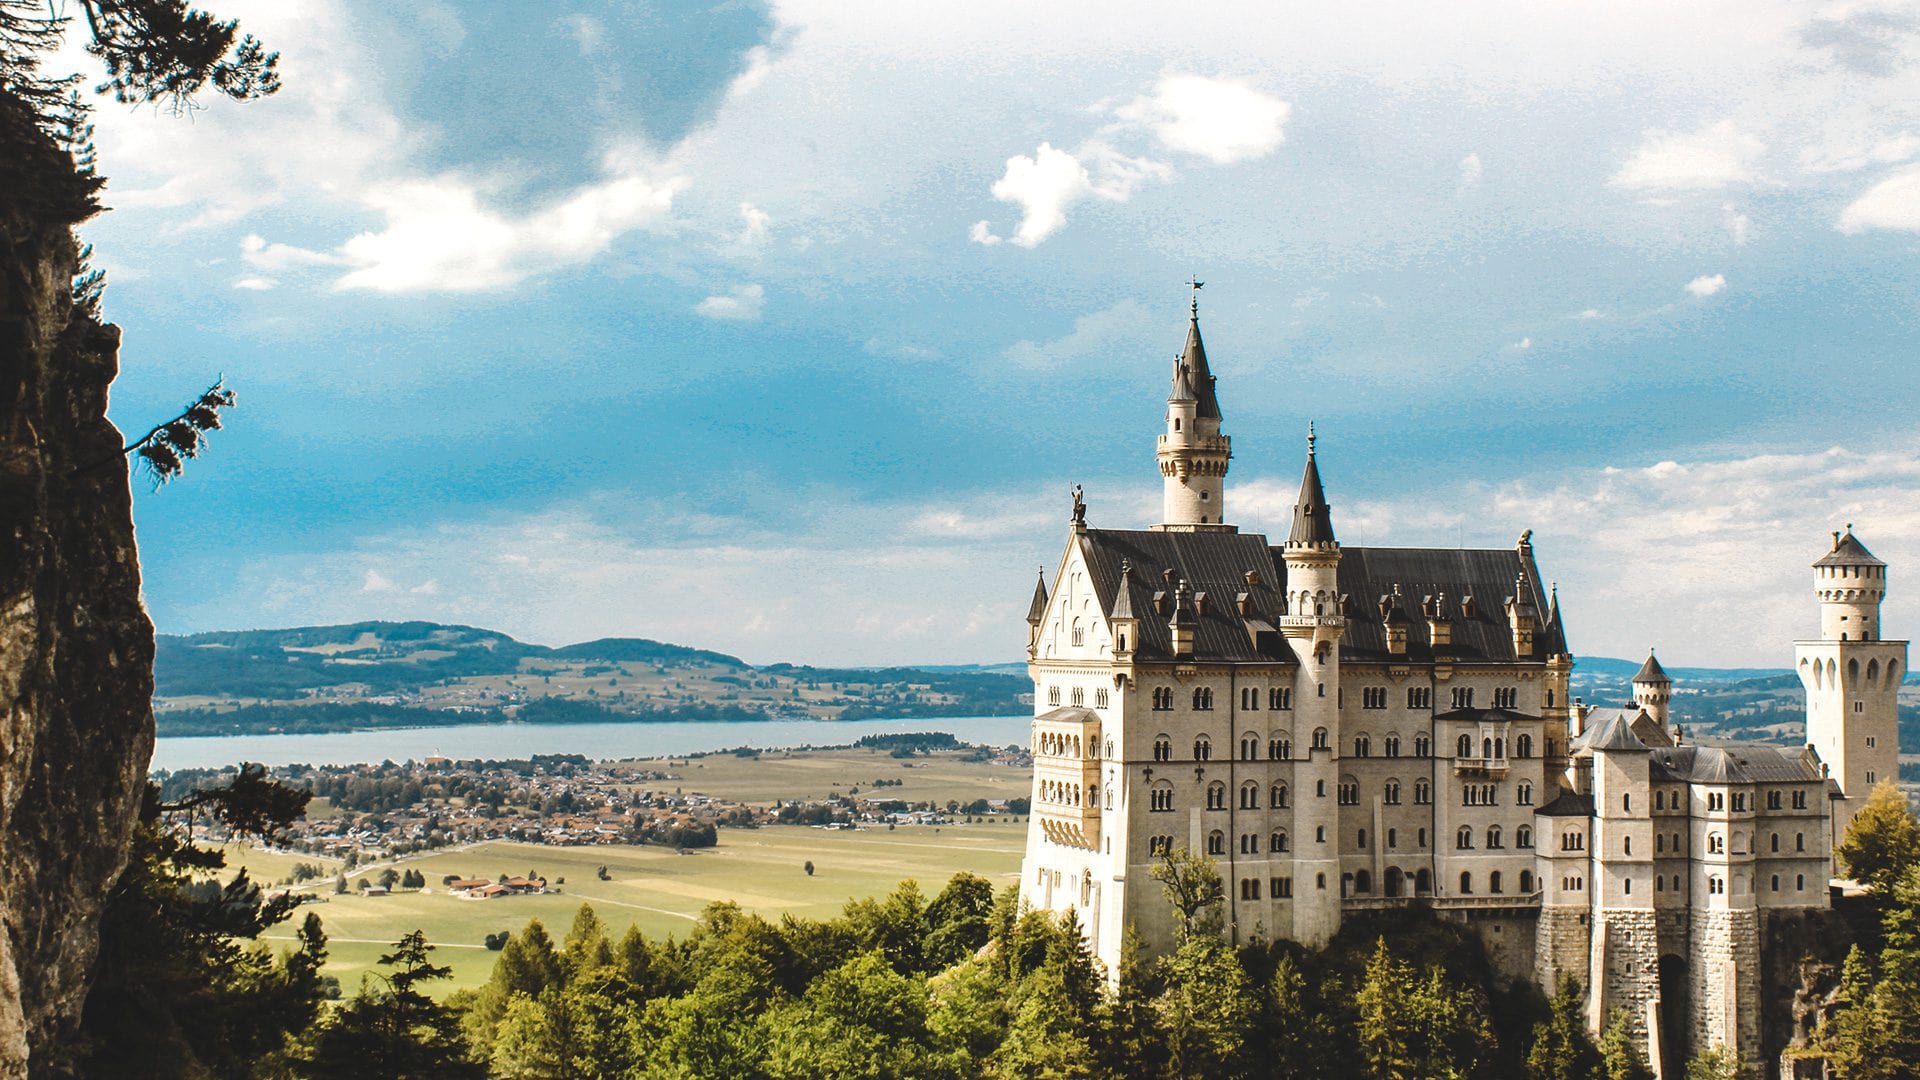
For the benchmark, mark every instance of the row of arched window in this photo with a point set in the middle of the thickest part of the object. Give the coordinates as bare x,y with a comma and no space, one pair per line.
1495,838
1059,794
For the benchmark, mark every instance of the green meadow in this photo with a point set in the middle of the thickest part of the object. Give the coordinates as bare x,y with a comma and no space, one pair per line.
656,889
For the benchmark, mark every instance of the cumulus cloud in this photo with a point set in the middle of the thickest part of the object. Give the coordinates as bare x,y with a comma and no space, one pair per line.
1713,157
982,233
1705,285
1043,186
740,304
1893,203
1221,120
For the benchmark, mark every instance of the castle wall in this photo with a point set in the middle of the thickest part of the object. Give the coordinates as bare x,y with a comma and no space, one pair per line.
1724,970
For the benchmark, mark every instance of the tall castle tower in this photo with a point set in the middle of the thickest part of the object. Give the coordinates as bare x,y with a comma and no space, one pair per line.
1652,690
1193,454
1313,620
1852,677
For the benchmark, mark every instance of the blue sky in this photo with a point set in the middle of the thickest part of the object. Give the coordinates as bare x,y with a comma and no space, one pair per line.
783,328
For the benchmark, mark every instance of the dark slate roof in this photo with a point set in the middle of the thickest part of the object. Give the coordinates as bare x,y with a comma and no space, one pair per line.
1312,518
1486,575
1731,761
1474,716
1651,672
1075,714
1213,563
1194,359
1848,551
1568,804
1037,611
1216,563
1613,733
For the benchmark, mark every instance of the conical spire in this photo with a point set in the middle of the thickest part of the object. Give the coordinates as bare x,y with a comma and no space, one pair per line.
1651,672
1312,522
1037,613
1123,596
1182,384
1193,359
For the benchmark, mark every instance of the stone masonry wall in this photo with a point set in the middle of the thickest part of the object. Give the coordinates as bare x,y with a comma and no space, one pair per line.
1724,967
1562,939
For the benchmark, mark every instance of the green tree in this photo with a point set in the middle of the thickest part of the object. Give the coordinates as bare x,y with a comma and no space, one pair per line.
957,920
1624,1061
392,1029
1208,1009
1561,1049
860,1021
586,946
1875,1034
1717,1062
1384,1001
1883,840
1192,883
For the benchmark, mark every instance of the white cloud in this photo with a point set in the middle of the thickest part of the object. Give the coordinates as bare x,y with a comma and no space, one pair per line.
1739,226
755,228
375,581
1471,170
1893,203
1221,120
1043,186
255,251
1121,326
255,284
1849,157
1590,313
982,233
439,238
1707,286
1523,344
740,304
1713,157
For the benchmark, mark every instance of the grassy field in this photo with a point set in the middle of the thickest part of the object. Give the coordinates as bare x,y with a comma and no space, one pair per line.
816,774
654,888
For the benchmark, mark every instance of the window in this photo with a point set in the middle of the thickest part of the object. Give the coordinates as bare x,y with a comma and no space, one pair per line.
1216,796
1250,698
1773,800
1320,881
1573,841
1626,803
1362,881
1373,697
1393,745
1393,839
1079,697
1659,842
1526,882
1249,796
1716,801
1420,697
1319,789
1100,697
1279,749
1774,842
1626,845
1523,838
1249,888
1799,841
1523,746
1216,843
1626,888
1799,800
1320,738
1319,834
1739,801
1716,885
1162,698
1506,697
1053,695
1466,884
1464,838
1277,797
1716,844
1349,793
1280,698
1799,882
1362,746
1203,749
1493,882
1422,792
1277,843
1463,747
1390,794
1282,888
1423,841
1249,747
1160,798
1203,698
1776,883
1249,844
1463,697
1523,793
1162,748
1159,845
1422,746
1361,841
1494,839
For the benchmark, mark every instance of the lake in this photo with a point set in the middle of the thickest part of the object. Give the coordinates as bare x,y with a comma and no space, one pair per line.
596,741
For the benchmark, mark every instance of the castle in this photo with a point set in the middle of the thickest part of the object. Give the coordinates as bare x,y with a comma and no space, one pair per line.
1346,729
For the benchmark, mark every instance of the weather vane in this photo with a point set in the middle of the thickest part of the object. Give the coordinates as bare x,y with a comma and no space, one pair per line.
1194,283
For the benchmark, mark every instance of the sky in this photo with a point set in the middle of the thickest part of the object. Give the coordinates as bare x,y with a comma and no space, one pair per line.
782,328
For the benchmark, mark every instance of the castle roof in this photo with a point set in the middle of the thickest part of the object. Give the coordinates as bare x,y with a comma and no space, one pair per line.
1312,518
1848,551
1217,564
1651,672
1613,733
1037,611
1568,804
1193,361
1733,762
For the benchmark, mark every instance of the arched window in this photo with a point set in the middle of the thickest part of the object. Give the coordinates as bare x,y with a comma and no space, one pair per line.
1277,843
1523,746
1464,747
1216,796
1523,793
1249,796
1280,749
1775,842
1494,838
1464,838
1216,843
1319,834
1277,797
1203,749
1493,882
1486,749
1422,792
1716,844
1362,882
1422,746
1362,746
1466,883
1203,698
1249,747
1160,796
1162,698
1162,748
1390,793
1523,838
1392,745
1320,738
1526,882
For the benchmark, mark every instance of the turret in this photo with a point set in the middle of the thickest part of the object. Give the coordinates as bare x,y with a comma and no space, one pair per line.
1652,690
1851,583
1126,627
1036,613
1852,675
1192,452
1184,622
1316,608
1520,617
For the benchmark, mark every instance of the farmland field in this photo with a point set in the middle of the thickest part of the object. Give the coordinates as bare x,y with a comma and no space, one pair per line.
654,888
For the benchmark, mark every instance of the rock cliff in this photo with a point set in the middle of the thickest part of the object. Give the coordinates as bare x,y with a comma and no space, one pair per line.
76,647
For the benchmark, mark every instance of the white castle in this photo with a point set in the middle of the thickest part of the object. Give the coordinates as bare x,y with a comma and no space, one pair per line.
1348,729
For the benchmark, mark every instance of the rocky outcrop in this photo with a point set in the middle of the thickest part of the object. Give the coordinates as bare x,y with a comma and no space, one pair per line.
76,647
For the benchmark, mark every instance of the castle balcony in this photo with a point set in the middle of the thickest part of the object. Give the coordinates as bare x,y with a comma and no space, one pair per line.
1311,622
1492,768
1066,776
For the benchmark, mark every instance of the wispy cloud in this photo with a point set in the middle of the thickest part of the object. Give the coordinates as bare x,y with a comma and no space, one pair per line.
1706,285
1713,157
742,303
1893,203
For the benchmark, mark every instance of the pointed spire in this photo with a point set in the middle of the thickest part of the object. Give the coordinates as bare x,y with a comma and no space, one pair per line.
1193,359
1553,606
1037,613
1123,596
1651,672
1312,523
1182,385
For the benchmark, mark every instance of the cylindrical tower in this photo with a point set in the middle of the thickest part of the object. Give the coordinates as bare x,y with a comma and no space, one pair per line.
1192,453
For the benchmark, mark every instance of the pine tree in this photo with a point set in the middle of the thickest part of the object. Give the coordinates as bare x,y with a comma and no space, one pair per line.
1883,840
1623,1059
391,1028
1561,1049
1208,1009
1717,1062
1385,1019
